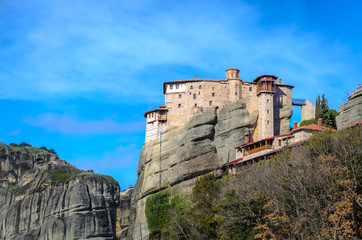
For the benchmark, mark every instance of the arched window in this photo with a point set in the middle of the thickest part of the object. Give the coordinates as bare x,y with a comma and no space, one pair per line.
191,87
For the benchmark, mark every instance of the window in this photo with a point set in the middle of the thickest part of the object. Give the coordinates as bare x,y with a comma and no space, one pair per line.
199,93
267,111
194,96
213,94
179,106
200,87
280,142
171,86
213,88
236,93
179,96
267,122
195,105
210,103
191,87
177,86
267,101
190,93
250,88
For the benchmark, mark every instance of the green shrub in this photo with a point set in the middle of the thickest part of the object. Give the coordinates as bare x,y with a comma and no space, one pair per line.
307,122
157,211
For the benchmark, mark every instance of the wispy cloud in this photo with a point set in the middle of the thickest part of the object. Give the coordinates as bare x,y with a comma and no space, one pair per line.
92,49
73,125
121,163
15,132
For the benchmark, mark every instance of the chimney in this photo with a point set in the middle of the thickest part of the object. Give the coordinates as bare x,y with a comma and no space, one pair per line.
246,138
319,124
279,80
295,125
195,76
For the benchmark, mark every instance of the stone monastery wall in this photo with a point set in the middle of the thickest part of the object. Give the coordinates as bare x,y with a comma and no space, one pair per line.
269,98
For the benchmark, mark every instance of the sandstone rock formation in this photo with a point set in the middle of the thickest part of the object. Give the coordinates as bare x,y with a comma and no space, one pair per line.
350,111
43,197
205,144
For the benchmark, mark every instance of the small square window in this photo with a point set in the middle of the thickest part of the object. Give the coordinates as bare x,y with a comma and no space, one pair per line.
236,93
179,106
195,105
213,94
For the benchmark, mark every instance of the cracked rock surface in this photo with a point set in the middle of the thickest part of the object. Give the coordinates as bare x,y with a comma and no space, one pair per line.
43,197
350,111
203,145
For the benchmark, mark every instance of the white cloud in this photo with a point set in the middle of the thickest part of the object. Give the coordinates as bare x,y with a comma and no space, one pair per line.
93,49
73,125
15,132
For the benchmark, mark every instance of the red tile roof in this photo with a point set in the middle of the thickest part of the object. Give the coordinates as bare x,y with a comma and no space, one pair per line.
265,139
313,127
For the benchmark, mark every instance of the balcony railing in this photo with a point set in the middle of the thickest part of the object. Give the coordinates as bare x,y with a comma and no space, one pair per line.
258,149
265,87
162,117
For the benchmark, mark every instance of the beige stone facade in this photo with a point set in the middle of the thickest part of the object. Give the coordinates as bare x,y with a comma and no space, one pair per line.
264,96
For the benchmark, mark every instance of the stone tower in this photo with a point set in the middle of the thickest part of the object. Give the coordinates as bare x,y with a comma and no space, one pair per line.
232,75
265,90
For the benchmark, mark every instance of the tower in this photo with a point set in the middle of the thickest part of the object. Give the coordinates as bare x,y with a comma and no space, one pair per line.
232,75
265,90
155,122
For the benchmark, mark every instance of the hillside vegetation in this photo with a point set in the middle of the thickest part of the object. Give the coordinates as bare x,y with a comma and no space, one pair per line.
308,192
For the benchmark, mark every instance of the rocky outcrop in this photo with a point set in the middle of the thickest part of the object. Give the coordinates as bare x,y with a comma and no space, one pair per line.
205,144
350,111
43,197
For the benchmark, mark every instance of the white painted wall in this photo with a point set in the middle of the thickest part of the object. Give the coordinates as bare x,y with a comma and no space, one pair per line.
176,87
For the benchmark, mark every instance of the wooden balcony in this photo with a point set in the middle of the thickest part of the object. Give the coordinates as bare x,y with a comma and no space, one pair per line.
265,86
258,149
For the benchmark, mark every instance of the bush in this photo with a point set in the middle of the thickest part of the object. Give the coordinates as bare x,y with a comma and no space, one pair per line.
24,144
307,122
157,211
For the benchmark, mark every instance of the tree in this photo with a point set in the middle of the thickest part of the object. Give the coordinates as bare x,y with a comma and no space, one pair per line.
323,112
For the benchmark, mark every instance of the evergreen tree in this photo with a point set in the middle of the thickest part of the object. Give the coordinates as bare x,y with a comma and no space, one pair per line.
323,112
318,107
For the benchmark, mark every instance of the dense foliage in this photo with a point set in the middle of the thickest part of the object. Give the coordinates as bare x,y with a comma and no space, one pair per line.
308,192
323,112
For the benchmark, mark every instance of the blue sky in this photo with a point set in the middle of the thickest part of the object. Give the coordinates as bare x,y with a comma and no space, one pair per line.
77,76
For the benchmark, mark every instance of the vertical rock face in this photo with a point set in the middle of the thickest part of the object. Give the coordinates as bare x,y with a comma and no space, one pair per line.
350,111
186,152
43,197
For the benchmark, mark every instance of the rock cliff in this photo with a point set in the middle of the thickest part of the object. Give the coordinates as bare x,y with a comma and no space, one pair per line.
186,152
350,111
43,197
